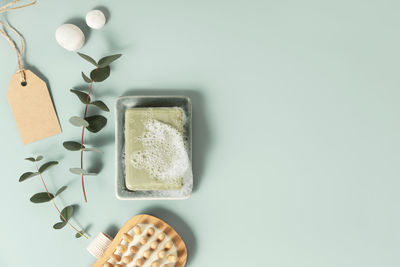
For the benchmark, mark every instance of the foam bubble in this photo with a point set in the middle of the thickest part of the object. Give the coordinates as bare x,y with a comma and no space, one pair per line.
164,154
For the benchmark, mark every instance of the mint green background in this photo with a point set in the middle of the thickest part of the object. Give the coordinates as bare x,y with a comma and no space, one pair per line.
296,129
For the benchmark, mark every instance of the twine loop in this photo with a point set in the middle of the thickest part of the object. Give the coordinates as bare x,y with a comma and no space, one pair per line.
8,7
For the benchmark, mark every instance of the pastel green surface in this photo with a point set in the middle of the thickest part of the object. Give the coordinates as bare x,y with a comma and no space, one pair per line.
140,179
295,129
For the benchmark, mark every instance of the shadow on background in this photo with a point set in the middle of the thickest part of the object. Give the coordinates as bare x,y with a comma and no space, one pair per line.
96,162
179,225
102,139
112,230
201,138
86,230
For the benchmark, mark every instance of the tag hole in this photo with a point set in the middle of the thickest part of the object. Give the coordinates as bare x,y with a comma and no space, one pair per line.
24,84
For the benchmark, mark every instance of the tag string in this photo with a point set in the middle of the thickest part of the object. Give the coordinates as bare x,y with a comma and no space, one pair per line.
8,7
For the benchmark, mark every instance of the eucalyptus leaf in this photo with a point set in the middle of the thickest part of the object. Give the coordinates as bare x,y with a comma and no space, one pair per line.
79,171
105,61
27,175
47,165
100,74
62,189
41,197
39,158
86,78
59,225
83,97
78,235
72,145
78,121
100,105
92,149
88,58
31,159
67,212
96,123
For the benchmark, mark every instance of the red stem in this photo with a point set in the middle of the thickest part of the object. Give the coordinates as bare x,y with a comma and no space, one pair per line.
83,133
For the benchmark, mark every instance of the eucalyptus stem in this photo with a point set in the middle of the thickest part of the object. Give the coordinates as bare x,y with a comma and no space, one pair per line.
83,133
55,206
93,123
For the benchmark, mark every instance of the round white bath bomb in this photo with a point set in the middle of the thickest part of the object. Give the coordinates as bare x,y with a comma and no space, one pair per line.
70,37
95,19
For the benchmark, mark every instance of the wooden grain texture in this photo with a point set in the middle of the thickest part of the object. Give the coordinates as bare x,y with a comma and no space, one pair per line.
145,218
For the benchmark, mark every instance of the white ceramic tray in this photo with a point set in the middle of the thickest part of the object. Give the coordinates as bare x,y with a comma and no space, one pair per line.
127,102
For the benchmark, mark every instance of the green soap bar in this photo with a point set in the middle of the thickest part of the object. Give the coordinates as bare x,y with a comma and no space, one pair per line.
135,118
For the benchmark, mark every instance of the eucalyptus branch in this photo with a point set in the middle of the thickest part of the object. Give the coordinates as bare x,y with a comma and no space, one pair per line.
93,123
67,212
55,206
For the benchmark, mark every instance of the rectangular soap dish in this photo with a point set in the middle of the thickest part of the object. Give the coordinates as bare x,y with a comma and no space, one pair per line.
128,102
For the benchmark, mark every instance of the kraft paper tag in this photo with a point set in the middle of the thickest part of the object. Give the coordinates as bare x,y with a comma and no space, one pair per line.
32,108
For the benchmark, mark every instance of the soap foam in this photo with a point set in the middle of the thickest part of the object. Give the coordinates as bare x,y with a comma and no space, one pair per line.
164,154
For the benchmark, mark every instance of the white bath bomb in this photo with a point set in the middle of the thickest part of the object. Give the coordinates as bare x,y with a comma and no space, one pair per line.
70,37
95,19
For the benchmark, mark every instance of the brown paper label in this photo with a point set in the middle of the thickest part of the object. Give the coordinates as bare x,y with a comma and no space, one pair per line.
32,108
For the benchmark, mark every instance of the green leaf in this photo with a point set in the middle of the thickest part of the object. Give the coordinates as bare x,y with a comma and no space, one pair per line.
59,225
32,159
105,61
78,121
88,58
92,149
79,171
62,189
27,175
99,75
83,97
86,78
96,123
67,212
41,197
47,165
100,105
72,145
78,235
